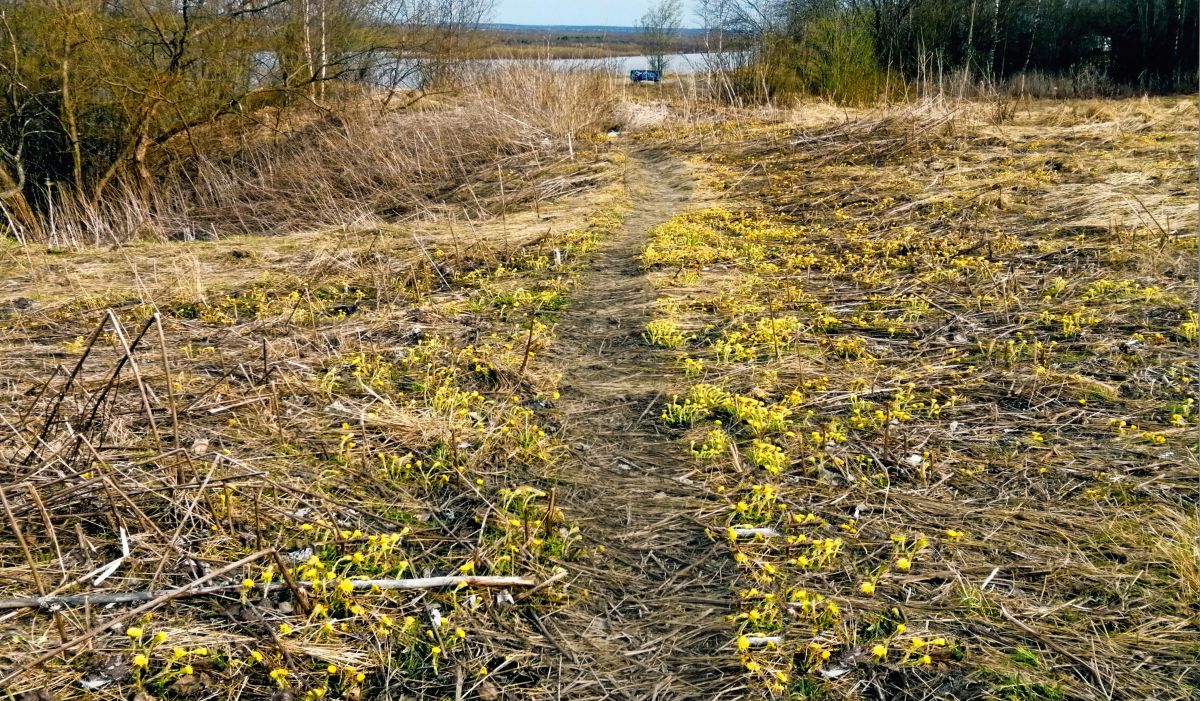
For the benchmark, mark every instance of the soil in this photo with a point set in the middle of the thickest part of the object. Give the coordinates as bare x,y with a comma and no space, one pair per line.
654,624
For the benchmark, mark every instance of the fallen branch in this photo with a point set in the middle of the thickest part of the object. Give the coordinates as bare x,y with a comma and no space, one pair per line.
160,598
756,533
757,641
130,597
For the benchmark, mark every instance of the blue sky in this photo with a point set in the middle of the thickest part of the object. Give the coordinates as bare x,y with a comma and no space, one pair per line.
619,13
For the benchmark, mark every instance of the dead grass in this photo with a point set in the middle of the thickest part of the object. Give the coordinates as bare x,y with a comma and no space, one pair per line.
980,397
499,145
365,403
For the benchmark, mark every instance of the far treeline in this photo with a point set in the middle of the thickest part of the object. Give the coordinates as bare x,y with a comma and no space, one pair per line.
853,50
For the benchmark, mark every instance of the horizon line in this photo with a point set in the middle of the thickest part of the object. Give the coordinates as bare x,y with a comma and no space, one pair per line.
616,27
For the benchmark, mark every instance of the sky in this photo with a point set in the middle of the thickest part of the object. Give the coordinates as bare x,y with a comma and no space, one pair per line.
613,13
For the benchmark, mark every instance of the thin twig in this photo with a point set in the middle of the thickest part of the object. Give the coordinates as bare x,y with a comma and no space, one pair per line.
161,598
418,583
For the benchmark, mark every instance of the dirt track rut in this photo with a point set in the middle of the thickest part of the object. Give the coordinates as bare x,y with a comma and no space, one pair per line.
653,625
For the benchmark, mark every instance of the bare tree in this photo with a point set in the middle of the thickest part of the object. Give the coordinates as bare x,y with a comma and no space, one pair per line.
659,26
95,95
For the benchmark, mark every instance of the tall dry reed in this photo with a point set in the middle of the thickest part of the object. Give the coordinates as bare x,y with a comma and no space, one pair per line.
501,139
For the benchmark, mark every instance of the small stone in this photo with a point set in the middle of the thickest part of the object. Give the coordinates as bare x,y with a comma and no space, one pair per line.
488,691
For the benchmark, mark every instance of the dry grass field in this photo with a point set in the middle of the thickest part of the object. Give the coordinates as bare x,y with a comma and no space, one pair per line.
943,373
790,404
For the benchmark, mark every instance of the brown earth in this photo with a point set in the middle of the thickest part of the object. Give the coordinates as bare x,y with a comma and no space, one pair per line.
654,625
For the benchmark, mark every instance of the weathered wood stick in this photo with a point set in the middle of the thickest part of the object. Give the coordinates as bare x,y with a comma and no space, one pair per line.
752,532
129,597
128,615
764,640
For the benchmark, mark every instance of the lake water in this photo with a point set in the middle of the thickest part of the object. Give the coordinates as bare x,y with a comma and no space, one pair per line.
409,73
677,63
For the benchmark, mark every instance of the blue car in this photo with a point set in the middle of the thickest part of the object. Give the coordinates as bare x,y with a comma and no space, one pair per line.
638,76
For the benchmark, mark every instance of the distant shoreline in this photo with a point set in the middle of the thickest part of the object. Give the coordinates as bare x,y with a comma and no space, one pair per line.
572,41
573,28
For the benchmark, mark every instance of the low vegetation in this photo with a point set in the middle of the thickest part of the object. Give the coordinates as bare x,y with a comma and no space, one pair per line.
330,410
575,43
944,375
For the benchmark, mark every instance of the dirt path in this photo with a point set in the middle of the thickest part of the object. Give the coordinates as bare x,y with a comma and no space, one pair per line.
653,626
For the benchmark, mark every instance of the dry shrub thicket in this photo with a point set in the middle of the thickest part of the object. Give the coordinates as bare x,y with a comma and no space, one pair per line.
506,140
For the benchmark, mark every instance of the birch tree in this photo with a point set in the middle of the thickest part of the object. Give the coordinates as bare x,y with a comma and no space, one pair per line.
659,26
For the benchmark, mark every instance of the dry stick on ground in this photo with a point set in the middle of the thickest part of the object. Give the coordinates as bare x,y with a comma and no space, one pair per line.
528,343
37,578
101,570
552,579
38,396
119,332
162,563
166,363
102,395
299,594
41,507
52,414
162,597
106,479
418,583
